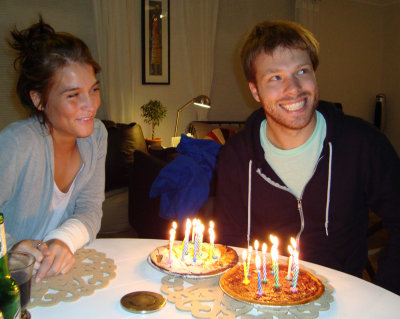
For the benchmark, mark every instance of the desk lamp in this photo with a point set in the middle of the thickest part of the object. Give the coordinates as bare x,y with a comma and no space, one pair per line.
201,100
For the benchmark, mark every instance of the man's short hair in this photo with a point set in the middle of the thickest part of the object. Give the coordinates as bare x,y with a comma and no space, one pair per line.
267,36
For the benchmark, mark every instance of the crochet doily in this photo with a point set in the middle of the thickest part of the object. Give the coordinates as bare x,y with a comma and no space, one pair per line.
92,270
205,299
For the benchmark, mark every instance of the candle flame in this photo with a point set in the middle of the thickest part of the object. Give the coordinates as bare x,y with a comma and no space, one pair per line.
188,224
250,249
264,248
258,262
293,242
274,240
211,224
256,244
274,254
174,225
212,236
244,255
290,249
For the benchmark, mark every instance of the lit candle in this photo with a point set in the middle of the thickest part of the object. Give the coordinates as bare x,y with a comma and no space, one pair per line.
194,229
294,245
186,239
289,270
212,237
274,254
295,272
201,231
274,241
196,241
256,245
264,254
171,244
249,260
258,262
246,281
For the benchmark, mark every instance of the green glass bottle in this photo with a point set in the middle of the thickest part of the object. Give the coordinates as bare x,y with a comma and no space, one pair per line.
10,305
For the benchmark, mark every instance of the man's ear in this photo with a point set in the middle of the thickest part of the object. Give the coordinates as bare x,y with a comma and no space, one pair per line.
254,91
36,98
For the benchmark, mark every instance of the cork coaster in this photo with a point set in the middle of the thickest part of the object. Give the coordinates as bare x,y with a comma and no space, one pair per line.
205,299
92,270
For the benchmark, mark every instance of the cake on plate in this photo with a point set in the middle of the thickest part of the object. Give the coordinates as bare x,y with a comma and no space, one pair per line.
309,287
210,259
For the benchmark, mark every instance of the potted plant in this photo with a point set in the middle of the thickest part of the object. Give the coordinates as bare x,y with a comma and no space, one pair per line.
153,113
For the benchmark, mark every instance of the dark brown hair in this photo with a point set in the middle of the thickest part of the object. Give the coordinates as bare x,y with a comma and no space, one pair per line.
41,52
267,36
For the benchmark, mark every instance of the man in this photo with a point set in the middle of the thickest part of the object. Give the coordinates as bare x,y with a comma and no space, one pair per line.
303,169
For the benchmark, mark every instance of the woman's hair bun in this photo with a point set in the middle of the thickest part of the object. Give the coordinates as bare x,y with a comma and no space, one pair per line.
28,41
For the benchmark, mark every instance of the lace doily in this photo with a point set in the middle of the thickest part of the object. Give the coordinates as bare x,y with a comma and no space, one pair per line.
204,299
92,270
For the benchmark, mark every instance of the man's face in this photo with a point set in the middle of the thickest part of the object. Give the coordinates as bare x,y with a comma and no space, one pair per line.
286,86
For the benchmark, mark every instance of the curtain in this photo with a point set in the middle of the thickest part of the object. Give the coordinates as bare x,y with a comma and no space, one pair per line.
307,14
117,26
200,26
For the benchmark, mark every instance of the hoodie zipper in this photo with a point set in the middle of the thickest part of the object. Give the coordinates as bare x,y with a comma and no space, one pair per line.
299,199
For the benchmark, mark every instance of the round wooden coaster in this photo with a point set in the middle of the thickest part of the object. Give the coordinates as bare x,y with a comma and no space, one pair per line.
142,301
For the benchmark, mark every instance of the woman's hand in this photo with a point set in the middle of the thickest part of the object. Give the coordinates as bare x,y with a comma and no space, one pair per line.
60,260
38,249
52,257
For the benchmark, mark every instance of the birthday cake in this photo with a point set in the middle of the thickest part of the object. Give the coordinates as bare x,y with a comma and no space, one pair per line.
308,287
209,259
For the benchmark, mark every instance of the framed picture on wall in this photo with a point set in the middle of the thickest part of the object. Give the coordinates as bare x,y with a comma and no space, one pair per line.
155,42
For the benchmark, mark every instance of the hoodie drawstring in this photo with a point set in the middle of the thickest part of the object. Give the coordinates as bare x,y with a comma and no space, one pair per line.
249,205
328,191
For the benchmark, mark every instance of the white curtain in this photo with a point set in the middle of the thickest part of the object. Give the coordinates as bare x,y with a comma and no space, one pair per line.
117,26
307,14
200,25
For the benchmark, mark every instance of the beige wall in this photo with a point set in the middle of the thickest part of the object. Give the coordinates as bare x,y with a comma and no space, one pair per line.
391,73
74,16
360,46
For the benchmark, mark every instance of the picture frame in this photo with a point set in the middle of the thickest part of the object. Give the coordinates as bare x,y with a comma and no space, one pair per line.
155,42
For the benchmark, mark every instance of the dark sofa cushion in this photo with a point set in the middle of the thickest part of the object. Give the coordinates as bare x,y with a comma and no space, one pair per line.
123,140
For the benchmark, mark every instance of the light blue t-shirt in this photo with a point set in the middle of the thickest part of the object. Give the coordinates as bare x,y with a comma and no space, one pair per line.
295,166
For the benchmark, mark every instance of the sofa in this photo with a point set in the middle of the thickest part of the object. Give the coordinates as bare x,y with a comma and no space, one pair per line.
123,140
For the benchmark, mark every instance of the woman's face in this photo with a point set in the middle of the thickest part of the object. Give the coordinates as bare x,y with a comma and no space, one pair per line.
73,100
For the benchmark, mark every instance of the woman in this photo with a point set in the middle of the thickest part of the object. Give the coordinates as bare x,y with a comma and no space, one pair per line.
52,164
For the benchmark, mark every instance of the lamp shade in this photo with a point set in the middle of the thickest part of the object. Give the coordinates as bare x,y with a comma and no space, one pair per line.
201,100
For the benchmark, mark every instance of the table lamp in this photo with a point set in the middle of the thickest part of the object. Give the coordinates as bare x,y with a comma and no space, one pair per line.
201,100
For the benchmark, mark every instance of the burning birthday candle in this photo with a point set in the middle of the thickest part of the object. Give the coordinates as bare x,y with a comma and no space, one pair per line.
294,245
196,240
296,271
245,270
289,270
194,229
275,263
258,263
212,238
171,243
186,239
256,245
264,254
274,241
